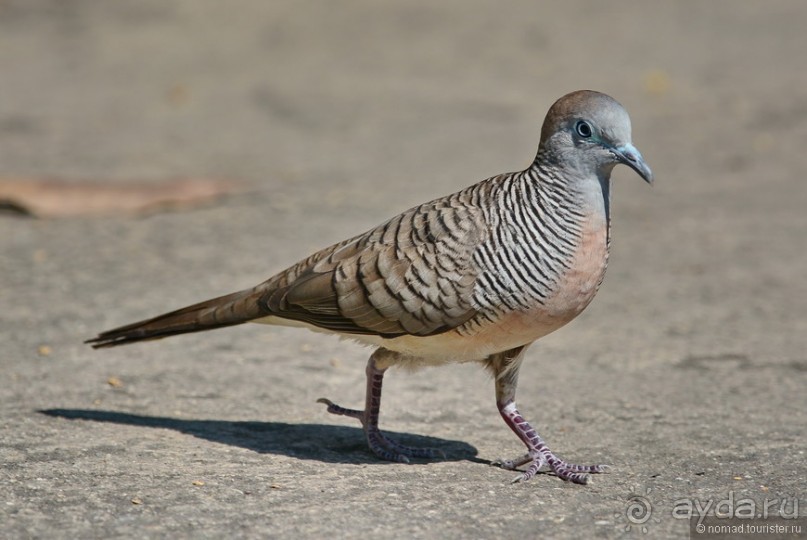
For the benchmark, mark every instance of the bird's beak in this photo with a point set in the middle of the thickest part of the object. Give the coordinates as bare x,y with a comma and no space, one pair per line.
630,156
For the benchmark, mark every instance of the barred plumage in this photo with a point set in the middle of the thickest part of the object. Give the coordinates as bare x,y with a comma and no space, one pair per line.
476,275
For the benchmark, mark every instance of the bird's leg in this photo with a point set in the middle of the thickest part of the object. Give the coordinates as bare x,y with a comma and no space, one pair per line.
505,368
381,445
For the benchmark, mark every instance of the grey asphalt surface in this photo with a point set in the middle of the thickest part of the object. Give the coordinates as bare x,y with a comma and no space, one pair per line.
687,374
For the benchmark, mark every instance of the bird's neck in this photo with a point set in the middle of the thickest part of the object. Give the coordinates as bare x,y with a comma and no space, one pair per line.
571,188
582,189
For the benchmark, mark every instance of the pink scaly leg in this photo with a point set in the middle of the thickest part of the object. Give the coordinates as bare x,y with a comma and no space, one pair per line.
381,445
505,368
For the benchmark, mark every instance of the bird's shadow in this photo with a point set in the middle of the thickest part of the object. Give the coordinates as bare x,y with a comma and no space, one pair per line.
320,442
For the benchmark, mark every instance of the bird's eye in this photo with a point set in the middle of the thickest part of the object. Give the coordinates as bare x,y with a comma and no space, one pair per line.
583,129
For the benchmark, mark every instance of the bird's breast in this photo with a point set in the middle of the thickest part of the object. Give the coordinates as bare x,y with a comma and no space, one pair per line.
579,283
569,294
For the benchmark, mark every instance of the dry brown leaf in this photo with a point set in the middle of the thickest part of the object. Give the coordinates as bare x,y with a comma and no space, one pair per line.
53,198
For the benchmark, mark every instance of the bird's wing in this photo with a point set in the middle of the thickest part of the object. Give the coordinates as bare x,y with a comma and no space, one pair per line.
412,275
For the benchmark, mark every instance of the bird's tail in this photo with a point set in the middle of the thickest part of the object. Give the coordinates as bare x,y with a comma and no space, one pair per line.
226,310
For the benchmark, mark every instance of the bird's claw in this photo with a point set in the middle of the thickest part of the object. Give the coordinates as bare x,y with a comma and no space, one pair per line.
391,450
381,445
577,474
511,464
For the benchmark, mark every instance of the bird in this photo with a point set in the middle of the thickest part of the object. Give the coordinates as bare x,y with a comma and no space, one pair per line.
474,276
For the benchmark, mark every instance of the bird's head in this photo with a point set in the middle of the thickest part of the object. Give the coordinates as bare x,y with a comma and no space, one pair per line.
590,132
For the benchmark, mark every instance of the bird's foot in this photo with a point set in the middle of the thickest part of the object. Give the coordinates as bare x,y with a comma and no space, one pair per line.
578,474
538,454
381,445
391,450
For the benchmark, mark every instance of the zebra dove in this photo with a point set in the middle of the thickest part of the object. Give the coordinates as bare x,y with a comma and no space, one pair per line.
474,276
